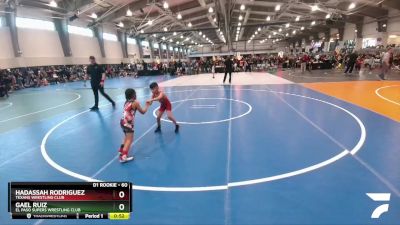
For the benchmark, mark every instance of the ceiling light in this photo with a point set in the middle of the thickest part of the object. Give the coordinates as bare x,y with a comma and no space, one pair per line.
352,5
215,19
170,40
269,36
240,17
163,38
294,32
356,30
384,25
204,36
94,15
287,34
53,4
392,36
313,23
297,18
314,8
129,12
165,29
181,36
174,33
277,7
200,33
150,22
328,16
165,5
210,10
142,31
154,35
239,24
189,24
121,24
179,16
268,18
302,28
242,7
287,25
274,33
280,29
259,29
238,28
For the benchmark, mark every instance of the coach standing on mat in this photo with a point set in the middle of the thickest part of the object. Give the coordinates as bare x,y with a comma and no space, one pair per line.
97,78
228,68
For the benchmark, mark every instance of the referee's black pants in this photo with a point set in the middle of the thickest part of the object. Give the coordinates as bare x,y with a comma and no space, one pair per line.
349,68
230,75
96,88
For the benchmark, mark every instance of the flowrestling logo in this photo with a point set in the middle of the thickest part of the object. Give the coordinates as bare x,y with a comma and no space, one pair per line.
380,197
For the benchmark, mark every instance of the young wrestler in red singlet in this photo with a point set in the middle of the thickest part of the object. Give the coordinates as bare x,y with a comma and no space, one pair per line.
165,106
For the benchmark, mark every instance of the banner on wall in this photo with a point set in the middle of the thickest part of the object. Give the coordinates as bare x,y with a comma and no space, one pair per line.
369,42
146,51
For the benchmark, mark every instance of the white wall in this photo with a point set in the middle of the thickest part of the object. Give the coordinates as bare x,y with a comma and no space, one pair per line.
113,50
39,43
349,32
133,51
254,47
393,26
6,44
370,28
238,46
41,47
38,48
82,47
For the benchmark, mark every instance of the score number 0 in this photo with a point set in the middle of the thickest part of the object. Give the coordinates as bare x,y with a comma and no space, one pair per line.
121,195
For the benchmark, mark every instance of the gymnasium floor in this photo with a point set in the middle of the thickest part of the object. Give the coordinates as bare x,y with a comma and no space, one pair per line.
262,151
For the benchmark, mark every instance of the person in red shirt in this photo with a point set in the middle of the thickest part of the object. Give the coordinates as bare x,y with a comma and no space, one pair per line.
165,106
304,60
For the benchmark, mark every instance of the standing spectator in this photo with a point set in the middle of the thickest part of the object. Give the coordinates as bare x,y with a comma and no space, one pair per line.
304,61
228,68
387,61
213,69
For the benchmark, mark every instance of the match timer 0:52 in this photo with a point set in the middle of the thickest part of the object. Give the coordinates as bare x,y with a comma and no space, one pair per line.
118,216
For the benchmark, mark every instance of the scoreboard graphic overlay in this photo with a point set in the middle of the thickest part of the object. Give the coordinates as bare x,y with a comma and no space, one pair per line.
74,200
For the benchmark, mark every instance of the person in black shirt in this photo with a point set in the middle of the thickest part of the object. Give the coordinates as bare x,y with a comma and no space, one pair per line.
351,62
228,68
97,77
